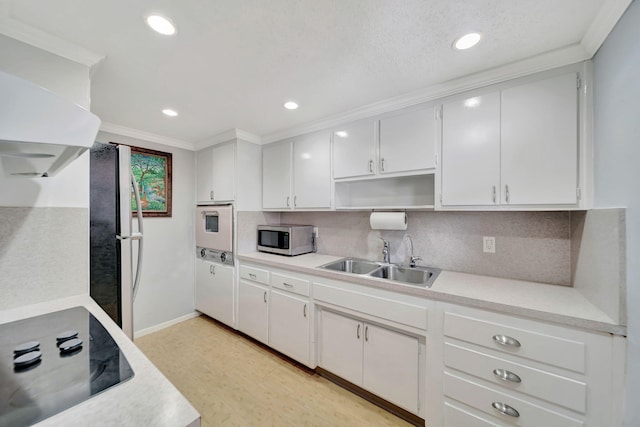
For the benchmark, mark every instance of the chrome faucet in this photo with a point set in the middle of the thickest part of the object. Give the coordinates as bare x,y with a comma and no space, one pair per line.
413,258
385,251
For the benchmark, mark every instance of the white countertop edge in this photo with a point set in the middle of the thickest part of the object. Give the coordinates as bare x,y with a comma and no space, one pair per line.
558,304
146,399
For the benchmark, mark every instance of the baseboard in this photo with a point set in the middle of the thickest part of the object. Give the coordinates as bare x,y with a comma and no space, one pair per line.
156,328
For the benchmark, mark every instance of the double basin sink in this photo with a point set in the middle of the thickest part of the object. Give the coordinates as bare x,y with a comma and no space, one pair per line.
415,276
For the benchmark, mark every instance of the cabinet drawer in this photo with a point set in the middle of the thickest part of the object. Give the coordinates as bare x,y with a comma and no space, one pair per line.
457,417
553,388
543,348
291,284
484,398
254,274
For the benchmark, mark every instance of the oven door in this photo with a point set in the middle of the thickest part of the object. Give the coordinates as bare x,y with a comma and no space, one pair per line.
214,227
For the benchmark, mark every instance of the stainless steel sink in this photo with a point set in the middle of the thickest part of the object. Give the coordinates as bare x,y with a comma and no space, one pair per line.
352,265
415,276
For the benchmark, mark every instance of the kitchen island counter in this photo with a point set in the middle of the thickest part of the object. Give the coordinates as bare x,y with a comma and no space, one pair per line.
146,399
559,304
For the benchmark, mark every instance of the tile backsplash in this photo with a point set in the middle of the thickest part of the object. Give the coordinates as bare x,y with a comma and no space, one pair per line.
44,254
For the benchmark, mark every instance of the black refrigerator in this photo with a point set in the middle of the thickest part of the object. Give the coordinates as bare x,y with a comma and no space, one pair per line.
113,275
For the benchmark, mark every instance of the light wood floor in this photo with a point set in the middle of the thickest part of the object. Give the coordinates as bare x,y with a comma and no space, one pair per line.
233,381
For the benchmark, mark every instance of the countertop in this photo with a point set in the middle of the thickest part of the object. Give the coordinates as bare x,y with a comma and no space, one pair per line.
147,399
559,304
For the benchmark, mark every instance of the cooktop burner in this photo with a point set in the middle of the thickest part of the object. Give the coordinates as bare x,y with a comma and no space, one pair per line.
52,362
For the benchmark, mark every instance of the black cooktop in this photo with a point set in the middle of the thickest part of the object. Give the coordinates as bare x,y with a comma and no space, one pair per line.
52,362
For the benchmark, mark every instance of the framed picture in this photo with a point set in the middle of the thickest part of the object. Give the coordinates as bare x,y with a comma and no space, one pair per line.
152,170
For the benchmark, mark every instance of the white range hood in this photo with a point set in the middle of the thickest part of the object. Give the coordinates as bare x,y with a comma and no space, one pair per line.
40,132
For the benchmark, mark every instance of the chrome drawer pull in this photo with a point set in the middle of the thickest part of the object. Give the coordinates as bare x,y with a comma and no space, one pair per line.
265,297
505,409
304,310
505,340
253,276
505,375
358,332
287,285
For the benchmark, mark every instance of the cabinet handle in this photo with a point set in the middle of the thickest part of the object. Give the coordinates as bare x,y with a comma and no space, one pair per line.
494,194
506,193
288,200
358,332
505,409
382,165
304,310
506,341
265,297
213,270
371,166
295,201
211,194
288,285
253,276
505,375
366,333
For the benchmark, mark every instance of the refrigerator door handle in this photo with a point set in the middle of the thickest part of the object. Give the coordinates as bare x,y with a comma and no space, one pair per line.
137,236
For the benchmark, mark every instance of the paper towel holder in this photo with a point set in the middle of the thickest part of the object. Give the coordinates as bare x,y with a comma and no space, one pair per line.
388,220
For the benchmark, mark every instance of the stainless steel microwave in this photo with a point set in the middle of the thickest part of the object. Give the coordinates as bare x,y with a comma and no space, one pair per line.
285,239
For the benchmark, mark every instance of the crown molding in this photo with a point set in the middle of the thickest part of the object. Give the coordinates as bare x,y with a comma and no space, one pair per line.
145,136
607,17
228,135
549,60
27,34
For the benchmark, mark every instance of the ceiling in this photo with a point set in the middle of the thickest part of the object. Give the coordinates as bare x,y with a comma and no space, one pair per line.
233,63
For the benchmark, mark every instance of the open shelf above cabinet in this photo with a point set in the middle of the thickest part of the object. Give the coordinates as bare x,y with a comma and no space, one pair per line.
416,192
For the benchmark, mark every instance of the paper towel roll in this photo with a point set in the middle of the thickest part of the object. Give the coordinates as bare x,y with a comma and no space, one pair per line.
388,221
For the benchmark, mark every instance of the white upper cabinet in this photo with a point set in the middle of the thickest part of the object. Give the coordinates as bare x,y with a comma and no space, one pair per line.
539,133
312,171
407,142
354,150
229,172
397,143
276,175
518,146
296,174
471,150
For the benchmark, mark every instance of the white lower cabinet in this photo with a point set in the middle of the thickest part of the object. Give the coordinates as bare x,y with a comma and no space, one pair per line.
503,370
253,310
214,290
289,325
380,360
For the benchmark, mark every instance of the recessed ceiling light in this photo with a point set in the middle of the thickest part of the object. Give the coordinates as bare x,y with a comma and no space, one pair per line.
169,112
290,105
161,25
342,133
467,41
472,102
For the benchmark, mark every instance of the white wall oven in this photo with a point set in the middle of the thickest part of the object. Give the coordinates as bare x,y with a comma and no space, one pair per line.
214,227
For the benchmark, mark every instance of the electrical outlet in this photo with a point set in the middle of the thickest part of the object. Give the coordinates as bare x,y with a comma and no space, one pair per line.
315,231
489,244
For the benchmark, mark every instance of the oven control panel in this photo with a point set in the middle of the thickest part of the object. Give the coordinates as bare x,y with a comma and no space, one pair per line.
220,257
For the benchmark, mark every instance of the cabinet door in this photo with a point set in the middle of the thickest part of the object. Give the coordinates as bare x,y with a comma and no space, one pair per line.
214,291
354,150
204,177
540,142
341,346
391,366
312,171
407,142
223,172
276,176
253,310
471,151
289,325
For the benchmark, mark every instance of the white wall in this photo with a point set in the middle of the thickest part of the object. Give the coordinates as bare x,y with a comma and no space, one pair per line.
70,188
167,283
617,175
